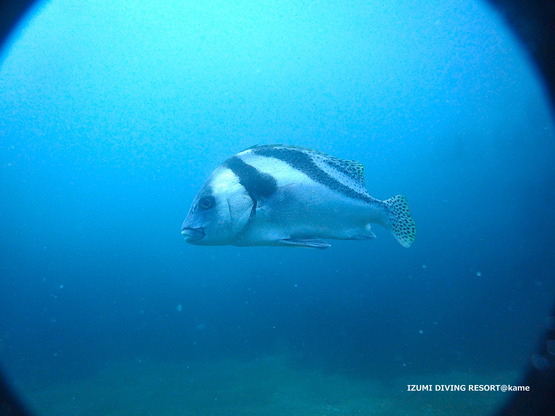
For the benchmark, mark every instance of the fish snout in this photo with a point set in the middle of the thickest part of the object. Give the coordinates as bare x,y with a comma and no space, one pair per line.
193,234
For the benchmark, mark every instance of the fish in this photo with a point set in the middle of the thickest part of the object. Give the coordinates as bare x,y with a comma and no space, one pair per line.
283,195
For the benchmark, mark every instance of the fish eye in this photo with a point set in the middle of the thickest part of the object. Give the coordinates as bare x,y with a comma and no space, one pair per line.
206,202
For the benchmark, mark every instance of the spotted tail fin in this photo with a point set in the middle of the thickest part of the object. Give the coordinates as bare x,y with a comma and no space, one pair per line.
400,222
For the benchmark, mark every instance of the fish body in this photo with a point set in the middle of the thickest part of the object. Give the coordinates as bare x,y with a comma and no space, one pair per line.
277,195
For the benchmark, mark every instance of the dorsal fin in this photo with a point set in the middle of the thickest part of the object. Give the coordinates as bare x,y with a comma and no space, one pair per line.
351,168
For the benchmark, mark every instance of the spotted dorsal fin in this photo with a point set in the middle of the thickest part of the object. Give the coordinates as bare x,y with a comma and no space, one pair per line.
351,168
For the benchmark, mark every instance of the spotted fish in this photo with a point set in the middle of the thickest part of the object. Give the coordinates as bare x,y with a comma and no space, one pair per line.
277,195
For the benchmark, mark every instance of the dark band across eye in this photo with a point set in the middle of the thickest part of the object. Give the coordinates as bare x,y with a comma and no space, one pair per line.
206,202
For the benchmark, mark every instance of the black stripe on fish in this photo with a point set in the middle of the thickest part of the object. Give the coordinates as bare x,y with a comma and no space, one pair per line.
257,184
299,160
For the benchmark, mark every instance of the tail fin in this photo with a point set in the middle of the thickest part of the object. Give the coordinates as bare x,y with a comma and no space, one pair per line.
401,223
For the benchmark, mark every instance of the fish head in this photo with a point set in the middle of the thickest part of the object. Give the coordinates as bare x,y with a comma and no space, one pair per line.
219,212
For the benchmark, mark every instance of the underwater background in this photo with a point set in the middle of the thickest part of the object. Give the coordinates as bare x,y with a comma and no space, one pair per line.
112,115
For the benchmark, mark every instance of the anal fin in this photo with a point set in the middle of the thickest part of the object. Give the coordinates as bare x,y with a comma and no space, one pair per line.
305,242
368,236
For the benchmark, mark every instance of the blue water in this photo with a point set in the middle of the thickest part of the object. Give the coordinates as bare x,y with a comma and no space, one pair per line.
113,115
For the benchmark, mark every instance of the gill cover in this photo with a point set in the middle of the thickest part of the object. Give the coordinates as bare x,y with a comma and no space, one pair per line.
234,206
242,210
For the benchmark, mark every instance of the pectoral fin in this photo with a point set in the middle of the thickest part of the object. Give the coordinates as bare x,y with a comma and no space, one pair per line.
305,242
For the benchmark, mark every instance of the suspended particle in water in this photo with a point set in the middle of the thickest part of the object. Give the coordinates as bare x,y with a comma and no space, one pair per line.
540,362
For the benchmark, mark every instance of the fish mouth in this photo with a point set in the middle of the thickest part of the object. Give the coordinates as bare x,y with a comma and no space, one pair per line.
193,234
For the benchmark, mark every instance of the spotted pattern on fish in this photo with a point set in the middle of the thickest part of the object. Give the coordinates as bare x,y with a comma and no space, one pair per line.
350,168
302,161
340,170
400,221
